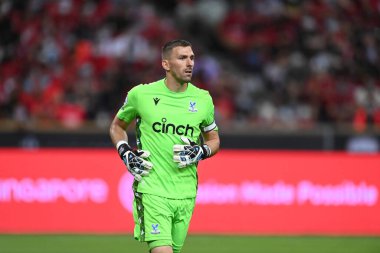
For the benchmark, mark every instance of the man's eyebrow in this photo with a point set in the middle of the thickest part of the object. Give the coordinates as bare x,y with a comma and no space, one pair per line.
185,55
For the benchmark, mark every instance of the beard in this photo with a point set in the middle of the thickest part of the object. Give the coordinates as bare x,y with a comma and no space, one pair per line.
183,78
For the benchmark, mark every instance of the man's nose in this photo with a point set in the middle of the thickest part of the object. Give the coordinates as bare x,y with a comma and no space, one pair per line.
189,62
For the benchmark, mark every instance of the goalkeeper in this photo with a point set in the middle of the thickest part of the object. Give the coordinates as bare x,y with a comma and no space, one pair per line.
175,129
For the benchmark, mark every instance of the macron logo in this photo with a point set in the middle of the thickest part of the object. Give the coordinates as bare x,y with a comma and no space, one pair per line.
156,100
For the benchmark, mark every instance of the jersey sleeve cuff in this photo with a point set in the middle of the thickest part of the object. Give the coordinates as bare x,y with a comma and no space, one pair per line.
209,127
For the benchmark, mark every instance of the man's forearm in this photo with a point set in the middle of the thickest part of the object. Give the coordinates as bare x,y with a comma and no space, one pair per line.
213,145
117,132
212,140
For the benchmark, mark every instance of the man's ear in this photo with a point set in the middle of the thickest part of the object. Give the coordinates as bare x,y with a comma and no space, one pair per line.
165,65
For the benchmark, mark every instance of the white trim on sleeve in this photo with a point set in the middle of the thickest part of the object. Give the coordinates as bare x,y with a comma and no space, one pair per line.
209,127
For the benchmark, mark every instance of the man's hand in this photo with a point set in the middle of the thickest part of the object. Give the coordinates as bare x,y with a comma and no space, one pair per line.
133,159
190,153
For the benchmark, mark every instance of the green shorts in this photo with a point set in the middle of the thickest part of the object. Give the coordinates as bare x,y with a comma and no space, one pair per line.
161,221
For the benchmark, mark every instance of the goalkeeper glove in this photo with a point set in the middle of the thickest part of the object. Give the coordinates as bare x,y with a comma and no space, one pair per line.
133,159
190,153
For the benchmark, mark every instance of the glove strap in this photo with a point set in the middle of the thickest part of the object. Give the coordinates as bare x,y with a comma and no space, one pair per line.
122,147
206,151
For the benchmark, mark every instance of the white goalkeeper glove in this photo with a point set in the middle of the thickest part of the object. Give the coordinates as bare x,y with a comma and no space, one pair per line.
190,153
133,159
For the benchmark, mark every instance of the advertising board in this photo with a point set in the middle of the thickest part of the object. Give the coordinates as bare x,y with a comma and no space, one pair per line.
239,192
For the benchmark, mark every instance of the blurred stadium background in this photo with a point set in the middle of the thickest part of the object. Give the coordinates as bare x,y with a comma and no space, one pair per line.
296,87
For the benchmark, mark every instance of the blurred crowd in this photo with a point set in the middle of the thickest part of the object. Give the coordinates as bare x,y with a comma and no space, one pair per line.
267,63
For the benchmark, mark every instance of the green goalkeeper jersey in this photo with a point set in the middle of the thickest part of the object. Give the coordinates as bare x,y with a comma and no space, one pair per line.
162,117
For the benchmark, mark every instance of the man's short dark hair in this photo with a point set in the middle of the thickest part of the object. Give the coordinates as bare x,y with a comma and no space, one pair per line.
167,48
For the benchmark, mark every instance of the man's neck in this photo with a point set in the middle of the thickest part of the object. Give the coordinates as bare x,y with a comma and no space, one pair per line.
175,86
